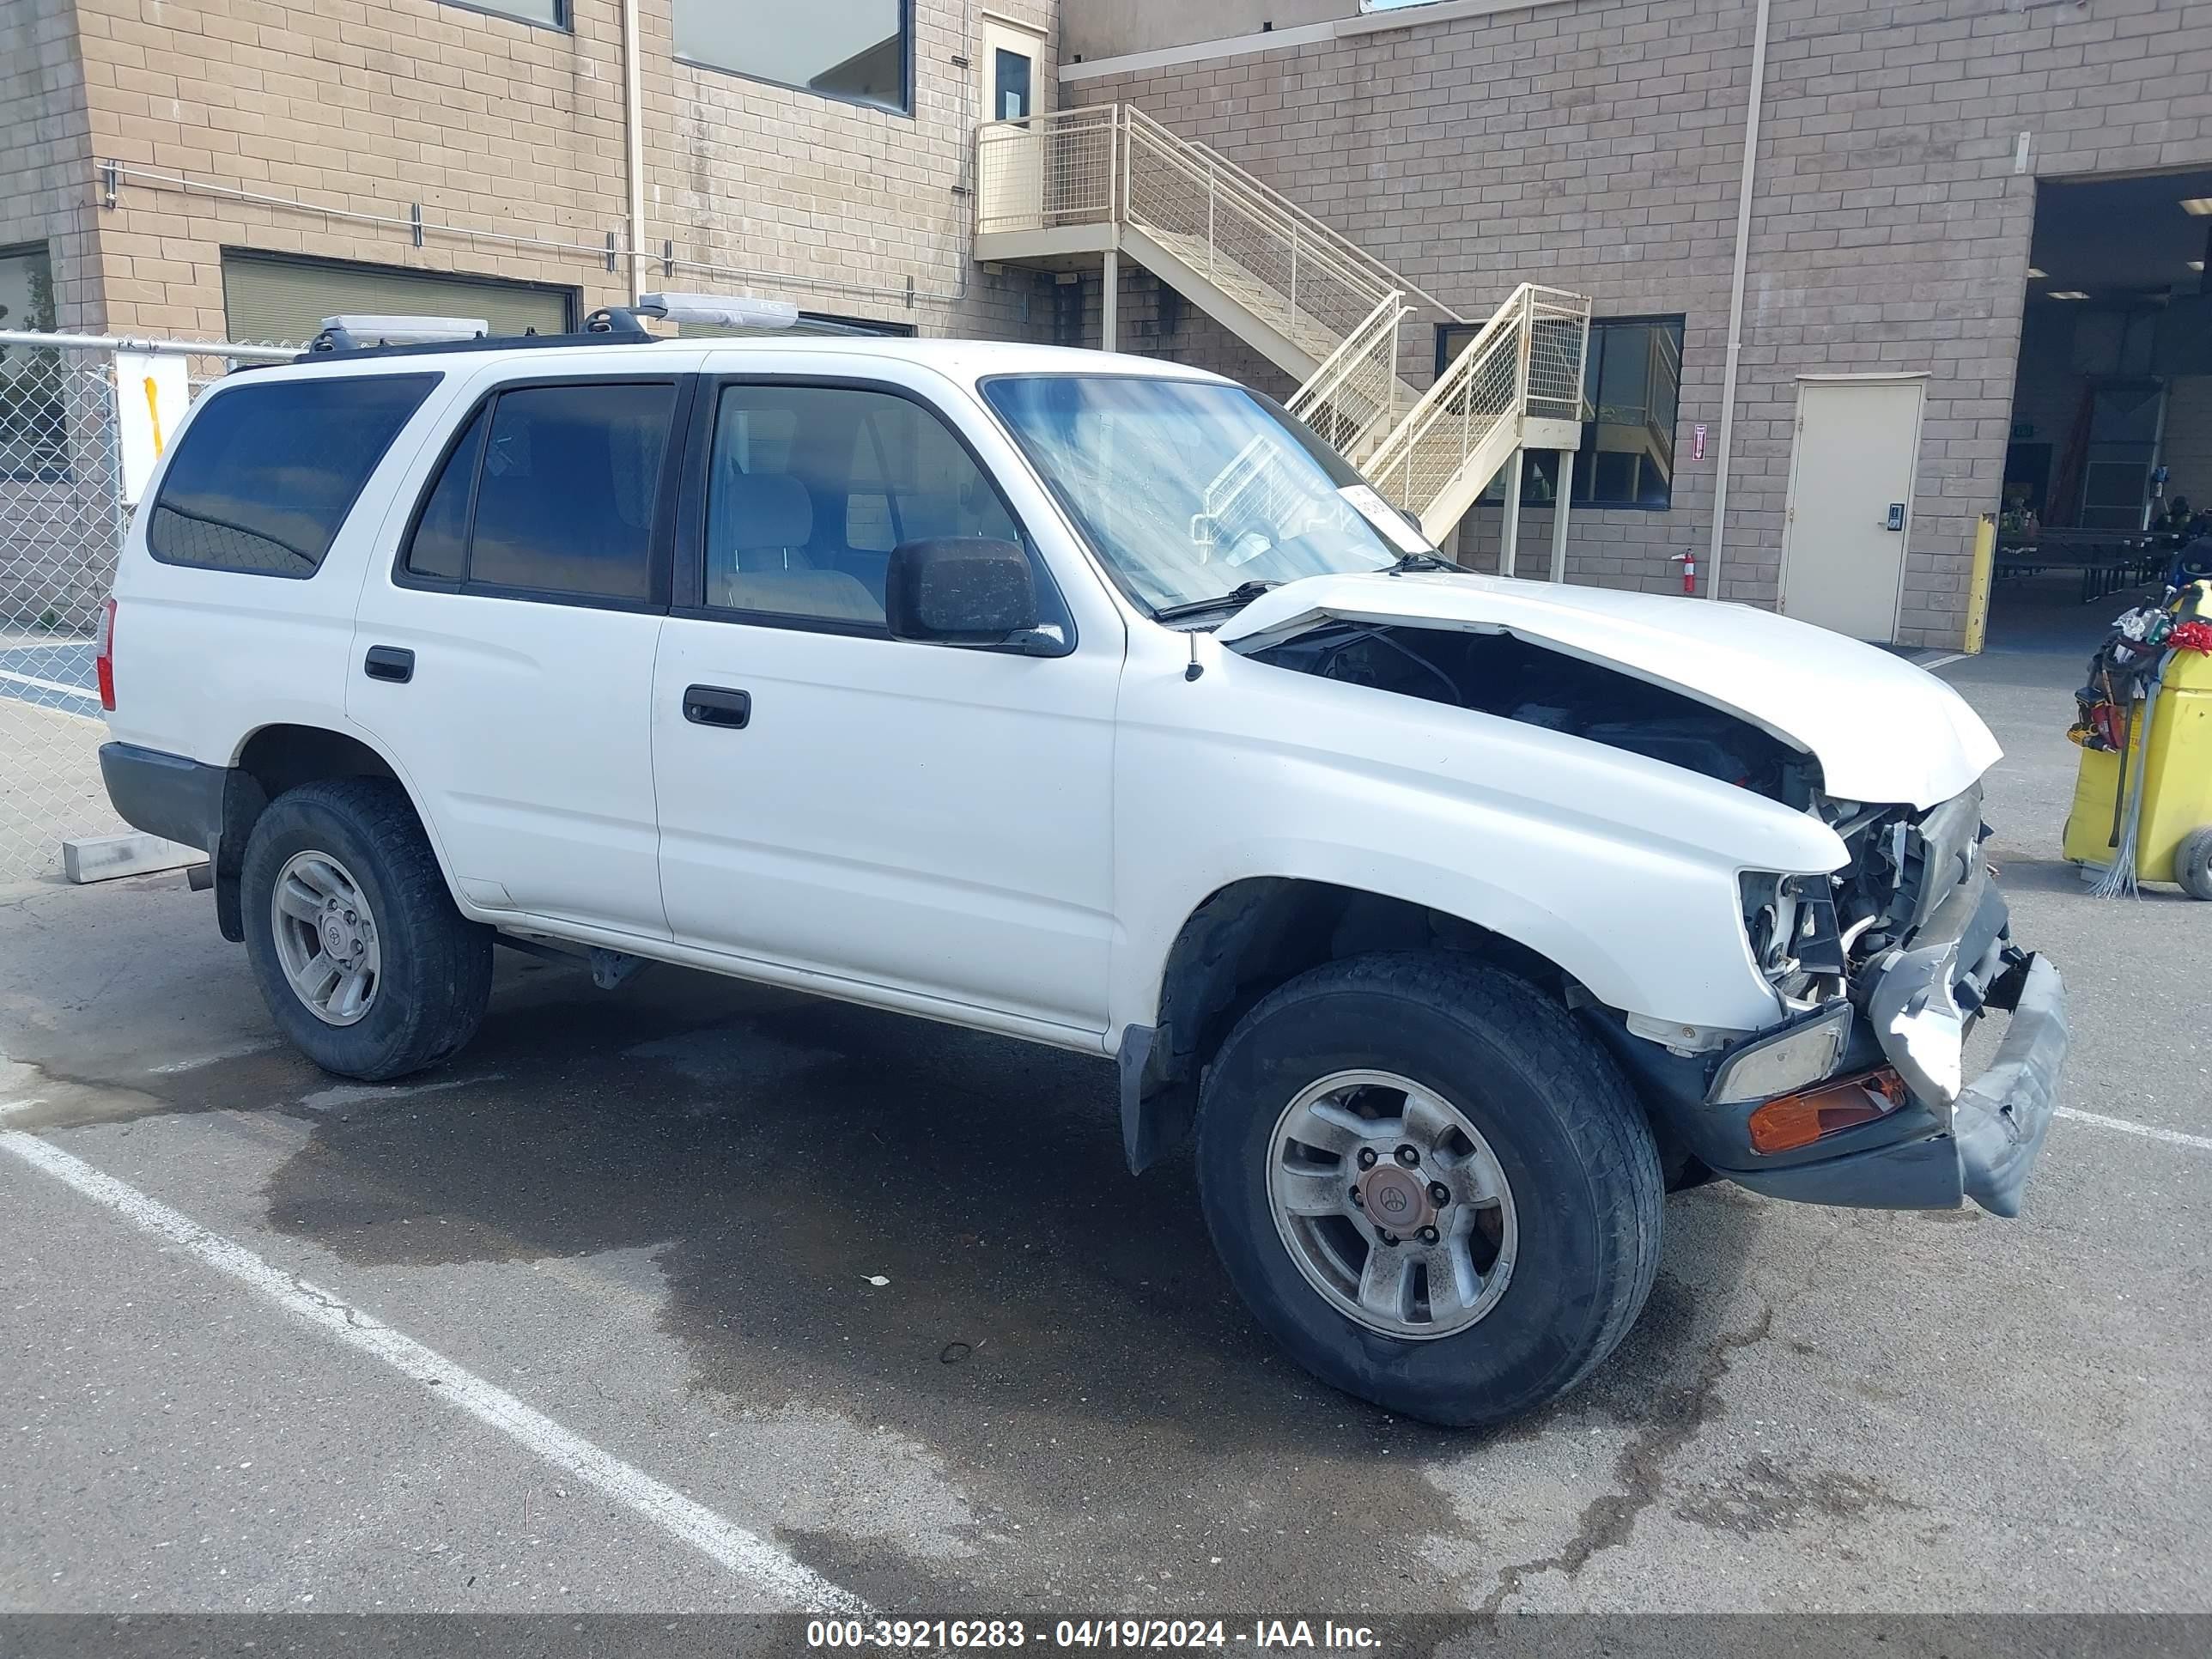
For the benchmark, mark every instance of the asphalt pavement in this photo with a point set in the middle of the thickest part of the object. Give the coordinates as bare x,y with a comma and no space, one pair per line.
734,1300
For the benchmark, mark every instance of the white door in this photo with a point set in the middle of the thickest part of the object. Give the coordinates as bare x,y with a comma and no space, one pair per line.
1850,503
932,819
504,656
1011,87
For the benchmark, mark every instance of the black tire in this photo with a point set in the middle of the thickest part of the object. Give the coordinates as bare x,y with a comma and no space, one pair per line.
1569,1135
2192,863
435,977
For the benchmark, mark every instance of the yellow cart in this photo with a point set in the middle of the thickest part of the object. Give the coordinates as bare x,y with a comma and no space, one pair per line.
2174,840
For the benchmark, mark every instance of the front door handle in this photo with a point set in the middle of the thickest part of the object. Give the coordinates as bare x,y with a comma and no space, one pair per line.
717,705
389,662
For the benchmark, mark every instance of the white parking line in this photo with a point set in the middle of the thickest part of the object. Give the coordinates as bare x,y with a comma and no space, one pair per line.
2148,1132
745,1553
1944,661
50,685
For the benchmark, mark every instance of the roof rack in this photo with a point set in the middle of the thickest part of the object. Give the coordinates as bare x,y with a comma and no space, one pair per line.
361,335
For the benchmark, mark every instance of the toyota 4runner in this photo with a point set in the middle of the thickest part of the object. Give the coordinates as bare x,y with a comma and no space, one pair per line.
1090,700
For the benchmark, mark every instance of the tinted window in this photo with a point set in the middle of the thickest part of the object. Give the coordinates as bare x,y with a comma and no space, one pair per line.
810,488
565,492
439,547
266,474
849,49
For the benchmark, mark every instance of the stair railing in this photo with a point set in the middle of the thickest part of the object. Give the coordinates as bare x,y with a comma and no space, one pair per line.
1352,399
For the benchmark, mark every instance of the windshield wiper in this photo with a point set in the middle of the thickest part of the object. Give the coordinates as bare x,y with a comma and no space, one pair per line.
1243,593
1410,561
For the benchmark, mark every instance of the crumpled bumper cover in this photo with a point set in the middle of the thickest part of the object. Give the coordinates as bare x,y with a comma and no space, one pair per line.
2001,1116
1986,1137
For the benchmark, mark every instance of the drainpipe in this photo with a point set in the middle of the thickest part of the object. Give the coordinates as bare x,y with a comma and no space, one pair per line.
634,143
1736,298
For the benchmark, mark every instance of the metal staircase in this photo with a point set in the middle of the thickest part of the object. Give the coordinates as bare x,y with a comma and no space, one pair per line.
1107,179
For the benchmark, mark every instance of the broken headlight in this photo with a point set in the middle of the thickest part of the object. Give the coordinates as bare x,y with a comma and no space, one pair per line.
1789,922
1787,1059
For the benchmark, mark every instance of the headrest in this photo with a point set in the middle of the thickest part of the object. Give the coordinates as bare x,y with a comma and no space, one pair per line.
766,509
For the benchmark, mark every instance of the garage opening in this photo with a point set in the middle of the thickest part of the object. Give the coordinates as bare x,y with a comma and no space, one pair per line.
2109,466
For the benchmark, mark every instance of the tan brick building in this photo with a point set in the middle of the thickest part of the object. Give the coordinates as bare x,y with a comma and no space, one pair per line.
165,155
234,168
1902,150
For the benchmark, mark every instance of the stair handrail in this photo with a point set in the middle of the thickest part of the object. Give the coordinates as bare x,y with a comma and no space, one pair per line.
1343,246
1225,182
1040,133
1502,331
1373,345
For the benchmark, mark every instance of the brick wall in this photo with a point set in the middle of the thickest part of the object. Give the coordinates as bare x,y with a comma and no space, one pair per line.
515,131
45,140
1596,145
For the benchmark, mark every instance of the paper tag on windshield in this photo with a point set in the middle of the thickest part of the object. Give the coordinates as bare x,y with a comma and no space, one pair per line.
1386,519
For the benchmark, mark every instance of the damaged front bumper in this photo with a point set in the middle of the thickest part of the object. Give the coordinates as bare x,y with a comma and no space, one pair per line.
1957,1139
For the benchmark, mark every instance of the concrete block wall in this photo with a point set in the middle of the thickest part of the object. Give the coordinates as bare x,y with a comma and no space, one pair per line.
515,131
1596,144
45,151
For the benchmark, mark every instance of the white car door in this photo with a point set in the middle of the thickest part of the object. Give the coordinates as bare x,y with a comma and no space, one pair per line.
932,819
504,654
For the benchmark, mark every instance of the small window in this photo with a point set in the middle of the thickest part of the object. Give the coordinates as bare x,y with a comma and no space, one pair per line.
565,489
266,474
33,380
853,50
552,14
810,488
1631,393
439,547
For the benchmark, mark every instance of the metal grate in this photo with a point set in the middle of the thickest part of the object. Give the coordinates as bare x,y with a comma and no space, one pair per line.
61,519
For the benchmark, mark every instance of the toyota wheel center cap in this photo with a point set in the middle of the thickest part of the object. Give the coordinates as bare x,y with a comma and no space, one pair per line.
1396,1199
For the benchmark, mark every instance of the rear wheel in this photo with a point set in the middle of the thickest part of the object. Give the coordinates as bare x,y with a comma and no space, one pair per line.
2192,863
1430,1185
365,963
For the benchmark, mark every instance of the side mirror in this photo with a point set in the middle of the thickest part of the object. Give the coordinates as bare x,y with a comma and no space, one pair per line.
959,590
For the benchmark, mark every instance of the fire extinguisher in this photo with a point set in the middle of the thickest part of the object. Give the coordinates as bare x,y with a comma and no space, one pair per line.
1689,563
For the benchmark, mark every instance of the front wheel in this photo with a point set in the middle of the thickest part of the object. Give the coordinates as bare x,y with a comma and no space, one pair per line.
365,963
1432,1189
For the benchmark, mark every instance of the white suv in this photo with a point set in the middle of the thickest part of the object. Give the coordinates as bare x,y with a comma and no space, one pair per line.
1090,700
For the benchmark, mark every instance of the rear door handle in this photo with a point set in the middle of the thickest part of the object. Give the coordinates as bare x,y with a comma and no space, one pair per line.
717,705
389,662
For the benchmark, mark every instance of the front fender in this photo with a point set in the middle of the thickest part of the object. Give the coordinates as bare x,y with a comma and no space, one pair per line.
1620,869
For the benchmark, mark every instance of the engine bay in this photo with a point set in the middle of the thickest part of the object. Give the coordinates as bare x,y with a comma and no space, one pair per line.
1497,674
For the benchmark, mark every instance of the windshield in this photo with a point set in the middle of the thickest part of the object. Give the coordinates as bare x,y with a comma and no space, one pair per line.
1191,491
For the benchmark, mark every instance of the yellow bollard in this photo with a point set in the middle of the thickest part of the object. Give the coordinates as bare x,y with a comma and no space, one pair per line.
1978,583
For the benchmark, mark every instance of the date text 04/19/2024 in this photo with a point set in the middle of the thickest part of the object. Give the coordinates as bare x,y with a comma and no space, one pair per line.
1124,1633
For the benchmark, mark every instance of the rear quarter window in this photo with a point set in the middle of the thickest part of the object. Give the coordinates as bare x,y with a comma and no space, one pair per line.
266,474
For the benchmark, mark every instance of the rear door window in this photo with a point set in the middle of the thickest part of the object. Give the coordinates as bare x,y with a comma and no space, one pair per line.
551,489
266,474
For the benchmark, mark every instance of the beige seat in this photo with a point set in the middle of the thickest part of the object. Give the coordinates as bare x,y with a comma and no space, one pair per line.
756,559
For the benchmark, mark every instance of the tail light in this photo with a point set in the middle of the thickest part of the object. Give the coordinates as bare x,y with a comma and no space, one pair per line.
104,663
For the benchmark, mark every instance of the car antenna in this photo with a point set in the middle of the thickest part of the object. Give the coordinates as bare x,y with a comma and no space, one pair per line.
1196,667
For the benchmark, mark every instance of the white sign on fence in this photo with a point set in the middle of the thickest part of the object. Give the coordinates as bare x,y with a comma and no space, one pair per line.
151,390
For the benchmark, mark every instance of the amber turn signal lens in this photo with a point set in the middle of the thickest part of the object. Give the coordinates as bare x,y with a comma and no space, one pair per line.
1793,1121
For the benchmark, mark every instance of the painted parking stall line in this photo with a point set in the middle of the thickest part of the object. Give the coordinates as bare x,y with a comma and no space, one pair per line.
747,1555
2148,1131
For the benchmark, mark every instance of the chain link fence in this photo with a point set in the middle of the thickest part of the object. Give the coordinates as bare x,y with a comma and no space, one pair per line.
62,517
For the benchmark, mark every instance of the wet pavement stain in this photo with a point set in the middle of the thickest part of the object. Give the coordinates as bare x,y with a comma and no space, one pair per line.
778,1154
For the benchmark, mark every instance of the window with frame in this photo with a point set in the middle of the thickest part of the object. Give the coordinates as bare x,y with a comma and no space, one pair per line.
33,418
266,474
547,14
550,489
1631,394
857,51
809,488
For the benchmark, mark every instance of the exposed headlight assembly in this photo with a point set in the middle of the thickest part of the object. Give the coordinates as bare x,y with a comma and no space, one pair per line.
1785,1058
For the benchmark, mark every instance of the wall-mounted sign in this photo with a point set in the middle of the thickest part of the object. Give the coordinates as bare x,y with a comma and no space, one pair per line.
151,392
1698,441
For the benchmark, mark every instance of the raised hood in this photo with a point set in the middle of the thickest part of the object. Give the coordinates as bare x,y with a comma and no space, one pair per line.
1883,731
